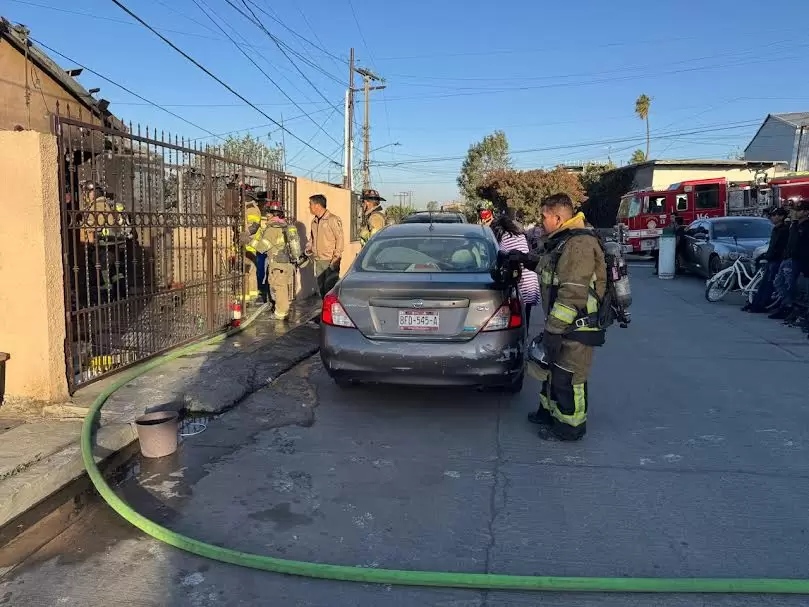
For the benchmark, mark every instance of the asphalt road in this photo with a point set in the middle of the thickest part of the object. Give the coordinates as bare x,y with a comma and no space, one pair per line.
695,465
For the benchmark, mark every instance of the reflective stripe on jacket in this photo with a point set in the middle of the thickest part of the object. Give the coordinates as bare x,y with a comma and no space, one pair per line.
573,279
372,222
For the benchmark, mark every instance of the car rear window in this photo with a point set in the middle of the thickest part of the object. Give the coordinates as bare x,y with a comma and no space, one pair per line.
428,254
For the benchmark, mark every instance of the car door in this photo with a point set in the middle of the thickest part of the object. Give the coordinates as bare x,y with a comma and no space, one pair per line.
702,247
691,246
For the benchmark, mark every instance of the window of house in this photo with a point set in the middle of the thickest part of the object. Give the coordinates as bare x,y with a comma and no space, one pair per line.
706,196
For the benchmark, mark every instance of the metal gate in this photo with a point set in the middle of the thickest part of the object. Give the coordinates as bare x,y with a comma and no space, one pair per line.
151,230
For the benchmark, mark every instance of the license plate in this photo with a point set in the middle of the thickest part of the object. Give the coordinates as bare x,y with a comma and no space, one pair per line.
418,321
647,245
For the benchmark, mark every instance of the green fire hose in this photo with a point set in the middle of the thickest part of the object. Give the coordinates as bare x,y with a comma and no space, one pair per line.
478,581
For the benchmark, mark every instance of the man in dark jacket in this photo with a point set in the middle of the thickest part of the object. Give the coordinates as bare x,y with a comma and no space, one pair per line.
774,256
796,259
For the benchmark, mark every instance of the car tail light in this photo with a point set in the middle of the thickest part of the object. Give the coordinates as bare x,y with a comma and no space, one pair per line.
333,312
508,316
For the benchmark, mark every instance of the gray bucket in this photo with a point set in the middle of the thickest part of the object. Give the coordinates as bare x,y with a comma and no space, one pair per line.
157,433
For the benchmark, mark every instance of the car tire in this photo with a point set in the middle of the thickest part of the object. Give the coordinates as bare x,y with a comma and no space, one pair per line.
343,383
714,265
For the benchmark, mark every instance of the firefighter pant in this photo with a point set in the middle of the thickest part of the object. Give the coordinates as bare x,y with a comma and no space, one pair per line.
564,394
261,276
326,276
281,277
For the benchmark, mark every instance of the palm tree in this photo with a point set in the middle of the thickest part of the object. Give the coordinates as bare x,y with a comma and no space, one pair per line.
642,105
637,157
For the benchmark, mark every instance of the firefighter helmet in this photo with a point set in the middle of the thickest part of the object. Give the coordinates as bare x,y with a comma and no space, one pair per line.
274,207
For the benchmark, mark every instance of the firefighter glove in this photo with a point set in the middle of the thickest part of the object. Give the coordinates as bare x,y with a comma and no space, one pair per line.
552,342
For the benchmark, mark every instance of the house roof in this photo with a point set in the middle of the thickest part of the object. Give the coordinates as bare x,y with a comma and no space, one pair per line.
19,40
796,119
697,162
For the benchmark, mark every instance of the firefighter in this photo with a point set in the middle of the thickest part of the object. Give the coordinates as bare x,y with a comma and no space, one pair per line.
253,219
573,281
281,243
373,217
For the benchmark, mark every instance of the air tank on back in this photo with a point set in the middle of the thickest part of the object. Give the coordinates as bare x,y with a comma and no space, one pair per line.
619,276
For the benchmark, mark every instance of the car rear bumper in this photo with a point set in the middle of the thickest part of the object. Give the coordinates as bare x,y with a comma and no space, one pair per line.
490,359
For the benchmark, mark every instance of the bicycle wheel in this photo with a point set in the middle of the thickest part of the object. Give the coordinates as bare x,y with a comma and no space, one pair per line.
719,286
752,288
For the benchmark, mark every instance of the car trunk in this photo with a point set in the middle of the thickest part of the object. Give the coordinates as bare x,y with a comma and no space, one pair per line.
421,306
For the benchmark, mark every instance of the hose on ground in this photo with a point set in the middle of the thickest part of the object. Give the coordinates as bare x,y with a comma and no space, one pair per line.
477,581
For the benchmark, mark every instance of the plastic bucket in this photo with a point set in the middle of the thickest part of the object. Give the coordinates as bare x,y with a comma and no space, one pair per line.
157,433
3,358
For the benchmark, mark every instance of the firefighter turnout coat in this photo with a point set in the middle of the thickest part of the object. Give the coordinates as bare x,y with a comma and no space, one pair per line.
573,280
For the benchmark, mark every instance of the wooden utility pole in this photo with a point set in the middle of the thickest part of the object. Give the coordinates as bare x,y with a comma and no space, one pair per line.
367,76
348,171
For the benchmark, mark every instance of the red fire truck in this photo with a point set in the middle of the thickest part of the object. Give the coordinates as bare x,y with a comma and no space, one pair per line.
643,214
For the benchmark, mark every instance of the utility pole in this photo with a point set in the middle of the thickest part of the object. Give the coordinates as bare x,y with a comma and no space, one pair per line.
348,169
367,76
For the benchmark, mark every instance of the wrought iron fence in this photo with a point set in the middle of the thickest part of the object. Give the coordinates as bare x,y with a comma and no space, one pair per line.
151,241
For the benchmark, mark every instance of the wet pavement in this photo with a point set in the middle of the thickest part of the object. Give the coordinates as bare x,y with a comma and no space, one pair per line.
695,465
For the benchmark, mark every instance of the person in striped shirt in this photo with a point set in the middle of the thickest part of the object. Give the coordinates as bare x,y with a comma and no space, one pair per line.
510,237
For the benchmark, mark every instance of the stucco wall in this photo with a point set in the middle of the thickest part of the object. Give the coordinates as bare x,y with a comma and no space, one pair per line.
661,177
45,92
32,311
339,203
774,141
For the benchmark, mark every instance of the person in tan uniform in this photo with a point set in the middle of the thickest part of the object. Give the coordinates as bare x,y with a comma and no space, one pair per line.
573,281
325,244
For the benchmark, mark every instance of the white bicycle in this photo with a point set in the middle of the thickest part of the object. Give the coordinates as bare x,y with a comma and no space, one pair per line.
736,278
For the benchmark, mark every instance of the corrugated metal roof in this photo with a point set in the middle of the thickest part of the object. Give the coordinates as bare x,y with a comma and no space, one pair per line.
796,119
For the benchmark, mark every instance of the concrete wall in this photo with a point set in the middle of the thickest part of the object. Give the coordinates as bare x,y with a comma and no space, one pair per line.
32,310
661,177
339,203
45,92
774,141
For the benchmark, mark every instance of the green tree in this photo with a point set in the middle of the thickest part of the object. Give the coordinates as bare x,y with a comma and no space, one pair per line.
395,213
525,190
433,206
637,157
642,106
252,150
489,154
592,173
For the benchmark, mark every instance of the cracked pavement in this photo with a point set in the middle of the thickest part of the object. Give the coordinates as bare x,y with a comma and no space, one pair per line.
695,465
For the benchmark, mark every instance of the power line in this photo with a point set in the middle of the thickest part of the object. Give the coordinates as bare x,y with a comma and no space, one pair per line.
370,56
122,87
212,75
742,124
266,75
282,46
298,35
265,125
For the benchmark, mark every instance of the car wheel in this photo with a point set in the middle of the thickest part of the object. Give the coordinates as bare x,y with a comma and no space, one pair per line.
714,265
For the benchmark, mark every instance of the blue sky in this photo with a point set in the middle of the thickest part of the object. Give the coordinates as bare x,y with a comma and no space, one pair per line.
560,79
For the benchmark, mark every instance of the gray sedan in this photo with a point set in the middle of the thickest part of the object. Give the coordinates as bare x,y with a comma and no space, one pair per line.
420,306
710,245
